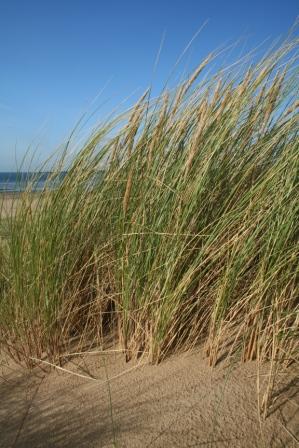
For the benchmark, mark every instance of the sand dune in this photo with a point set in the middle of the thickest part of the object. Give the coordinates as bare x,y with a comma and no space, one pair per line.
180,403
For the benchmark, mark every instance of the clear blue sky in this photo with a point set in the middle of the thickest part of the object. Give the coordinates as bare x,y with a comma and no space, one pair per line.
55,56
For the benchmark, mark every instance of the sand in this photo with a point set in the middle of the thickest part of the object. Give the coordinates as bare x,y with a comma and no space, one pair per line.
180,403
9,202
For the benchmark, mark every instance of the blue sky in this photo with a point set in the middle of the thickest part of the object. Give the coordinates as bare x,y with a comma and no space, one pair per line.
56,56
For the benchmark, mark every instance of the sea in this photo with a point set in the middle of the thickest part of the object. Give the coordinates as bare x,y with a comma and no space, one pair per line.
15,182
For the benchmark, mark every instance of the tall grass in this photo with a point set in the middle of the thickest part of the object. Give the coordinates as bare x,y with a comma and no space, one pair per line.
176,224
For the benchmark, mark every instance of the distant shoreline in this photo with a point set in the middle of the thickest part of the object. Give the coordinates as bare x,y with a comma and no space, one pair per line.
18,182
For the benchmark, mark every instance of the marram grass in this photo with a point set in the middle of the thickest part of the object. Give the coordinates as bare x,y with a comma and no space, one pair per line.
187,233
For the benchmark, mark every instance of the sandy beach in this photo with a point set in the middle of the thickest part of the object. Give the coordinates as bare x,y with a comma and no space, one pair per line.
9,202
151,250
179,403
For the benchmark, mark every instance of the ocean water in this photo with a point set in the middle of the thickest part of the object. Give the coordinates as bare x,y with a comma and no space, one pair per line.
11,182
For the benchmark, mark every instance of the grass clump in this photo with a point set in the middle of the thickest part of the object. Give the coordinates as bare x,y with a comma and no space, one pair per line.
177,223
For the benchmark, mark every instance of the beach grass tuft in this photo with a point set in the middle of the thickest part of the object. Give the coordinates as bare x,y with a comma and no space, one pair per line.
175,224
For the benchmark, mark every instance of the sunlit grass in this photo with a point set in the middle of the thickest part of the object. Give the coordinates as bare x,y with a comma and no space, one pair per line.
189,235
